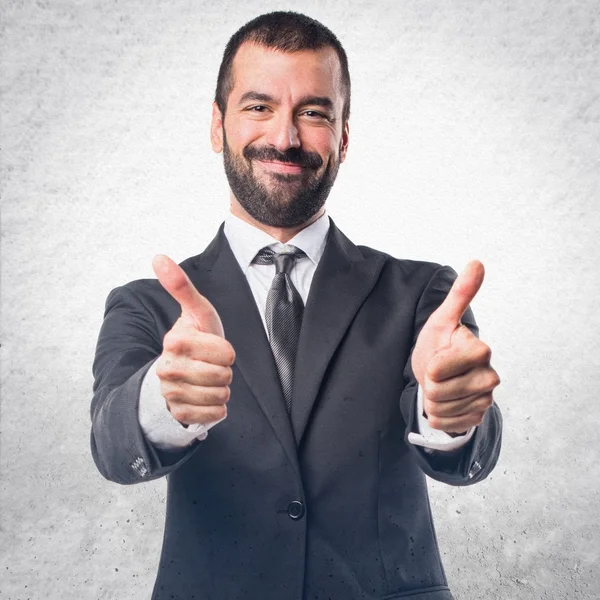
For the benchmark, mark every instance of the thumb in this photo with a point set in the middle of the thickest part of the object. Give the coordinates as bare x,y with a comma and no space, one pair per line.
461,294
194,305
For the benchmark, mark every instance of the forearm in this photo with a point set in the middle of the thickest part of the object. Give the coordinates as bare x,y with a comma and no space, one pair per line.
475,459
128,344
468,464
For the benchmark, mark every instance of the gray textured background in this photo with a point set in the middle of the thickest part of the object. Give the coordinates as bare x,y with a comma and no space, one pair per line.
474,133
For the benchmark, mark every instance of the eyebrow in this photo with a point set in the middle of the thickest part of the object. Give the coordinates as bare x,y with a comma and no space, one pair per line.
322,101
256,97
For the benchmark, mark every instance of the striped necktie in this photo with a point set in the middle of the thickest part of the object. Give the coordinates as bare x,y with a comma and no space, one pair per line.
283,315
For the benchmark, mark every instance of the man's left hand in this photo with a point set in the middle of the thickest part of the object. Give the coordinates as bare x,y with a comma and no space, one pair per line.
451,364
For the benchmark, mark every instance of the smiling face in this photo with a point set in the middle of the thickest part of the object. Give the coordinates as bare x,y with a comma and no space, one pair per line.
282,137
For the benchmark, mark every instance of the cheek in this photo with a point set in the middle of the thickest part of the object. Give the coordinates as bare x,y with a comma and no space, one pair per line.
245,132
323,141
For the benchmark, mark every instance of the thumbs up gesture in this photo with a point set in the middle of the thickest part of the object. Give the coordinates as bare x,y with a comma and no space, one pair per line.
451,364
195,366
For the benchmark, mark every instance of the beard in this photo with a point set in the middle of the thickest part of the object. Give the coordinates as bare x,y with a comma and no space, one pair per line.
288,199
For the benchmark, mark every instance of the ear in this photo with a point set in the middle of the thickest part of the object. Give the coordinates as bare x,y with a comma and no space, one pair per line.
216,129
344,142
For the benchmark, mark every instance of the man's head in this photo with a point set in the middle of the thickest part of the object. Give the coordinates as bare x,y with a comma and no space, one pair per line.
287,32
281,116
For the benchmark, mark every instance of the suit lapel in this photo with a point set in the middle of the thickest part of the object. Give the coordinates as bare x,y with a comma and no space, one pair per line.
217,275
342,282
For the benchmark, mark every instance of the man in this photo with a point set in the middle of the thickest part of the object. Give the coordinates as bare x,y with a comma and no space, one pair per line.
294,387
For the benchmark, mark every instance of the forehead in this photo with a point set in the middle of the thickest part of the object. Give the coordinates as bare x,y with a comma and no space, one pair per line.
296,74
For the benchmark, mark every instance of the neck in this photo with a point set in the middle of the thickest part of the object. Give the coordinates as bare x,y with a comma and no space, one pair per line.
282,234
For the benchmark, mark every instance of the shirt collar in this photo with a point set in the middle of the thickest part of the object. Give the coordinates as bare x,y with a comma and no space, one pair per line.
246,240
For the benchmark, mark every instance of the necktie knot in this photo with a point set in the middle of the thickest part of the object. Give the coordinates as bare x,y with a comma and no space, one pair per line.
283,261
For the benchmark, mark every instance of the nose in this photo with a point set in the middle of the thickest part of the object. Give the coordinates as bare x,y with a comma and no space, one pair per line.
283,133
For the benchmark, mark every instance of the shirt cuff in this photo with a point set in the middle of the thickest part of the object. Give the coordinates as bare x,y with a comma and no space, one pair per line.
158,424
435,439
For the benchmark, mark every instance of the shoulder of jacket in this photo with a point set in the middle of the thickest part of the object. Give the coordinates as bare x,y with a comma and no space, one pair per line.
404,264
141,287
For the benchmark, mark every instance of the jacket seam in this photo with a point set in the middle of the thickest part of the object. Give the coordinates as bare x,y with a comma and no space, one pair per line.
418,592
378,515
435,540
146,309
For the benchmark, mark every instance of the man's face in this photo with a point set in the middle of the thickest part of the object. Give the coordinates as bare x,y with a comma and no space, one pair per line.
282,137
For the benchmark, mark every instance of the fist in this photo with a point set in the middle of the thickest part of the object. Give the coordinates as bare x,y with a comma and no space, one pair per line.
195,366
451,364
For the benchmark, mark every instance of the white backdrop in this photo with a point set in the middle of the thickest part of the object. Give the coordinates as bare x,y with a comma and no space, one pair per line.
474,133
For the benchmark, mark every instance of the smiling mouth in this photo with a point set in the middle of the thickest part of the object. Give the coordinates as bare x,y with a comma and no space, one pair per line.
282,167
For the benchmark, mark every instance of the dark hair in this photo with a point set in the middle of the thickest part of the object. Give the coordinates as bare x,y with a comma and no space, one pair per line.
286,31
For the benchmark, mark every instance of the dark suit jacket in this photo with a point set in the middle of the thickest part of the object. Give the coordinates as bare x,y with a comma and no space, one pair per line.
328,504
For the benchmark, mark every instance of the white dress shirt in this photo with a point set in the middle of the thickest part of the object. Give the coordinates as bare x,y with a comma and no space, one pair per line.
245,241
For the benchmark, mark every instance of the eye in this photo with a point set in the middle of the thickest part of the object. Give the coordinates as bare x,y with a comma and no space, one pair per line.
259,108
315,114
318,116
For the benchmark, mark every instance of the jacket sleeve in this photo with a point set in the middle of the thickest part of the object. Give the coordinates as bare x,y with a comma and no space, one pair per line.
475,460
128,344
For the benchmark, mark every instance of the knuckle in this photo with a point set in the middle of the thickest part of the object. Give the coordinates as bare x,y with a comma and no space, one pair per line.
162,368
225,375
484,352
170,394
486,402
429,407
221,412
176,374
166,370
433,392
494,380
229,354
436,410
222,351
433,371
485,382
223,394
435,422
214,413
173,341
474,418
180,413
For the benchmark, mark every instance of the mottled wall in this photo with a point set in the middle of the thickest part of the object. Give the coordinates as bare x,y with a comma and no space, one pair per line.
475,133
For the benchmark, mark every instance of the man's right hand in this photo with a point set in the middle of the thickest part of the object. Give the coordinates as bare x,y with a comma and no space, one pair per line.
195,366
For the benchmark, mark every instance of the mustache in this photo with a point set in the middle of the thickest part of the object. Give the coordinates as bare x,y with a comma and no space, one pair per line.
293,156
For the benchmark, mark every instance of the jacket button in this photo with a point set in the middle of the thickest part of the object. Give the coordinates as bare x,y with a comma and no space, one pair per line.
296,510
